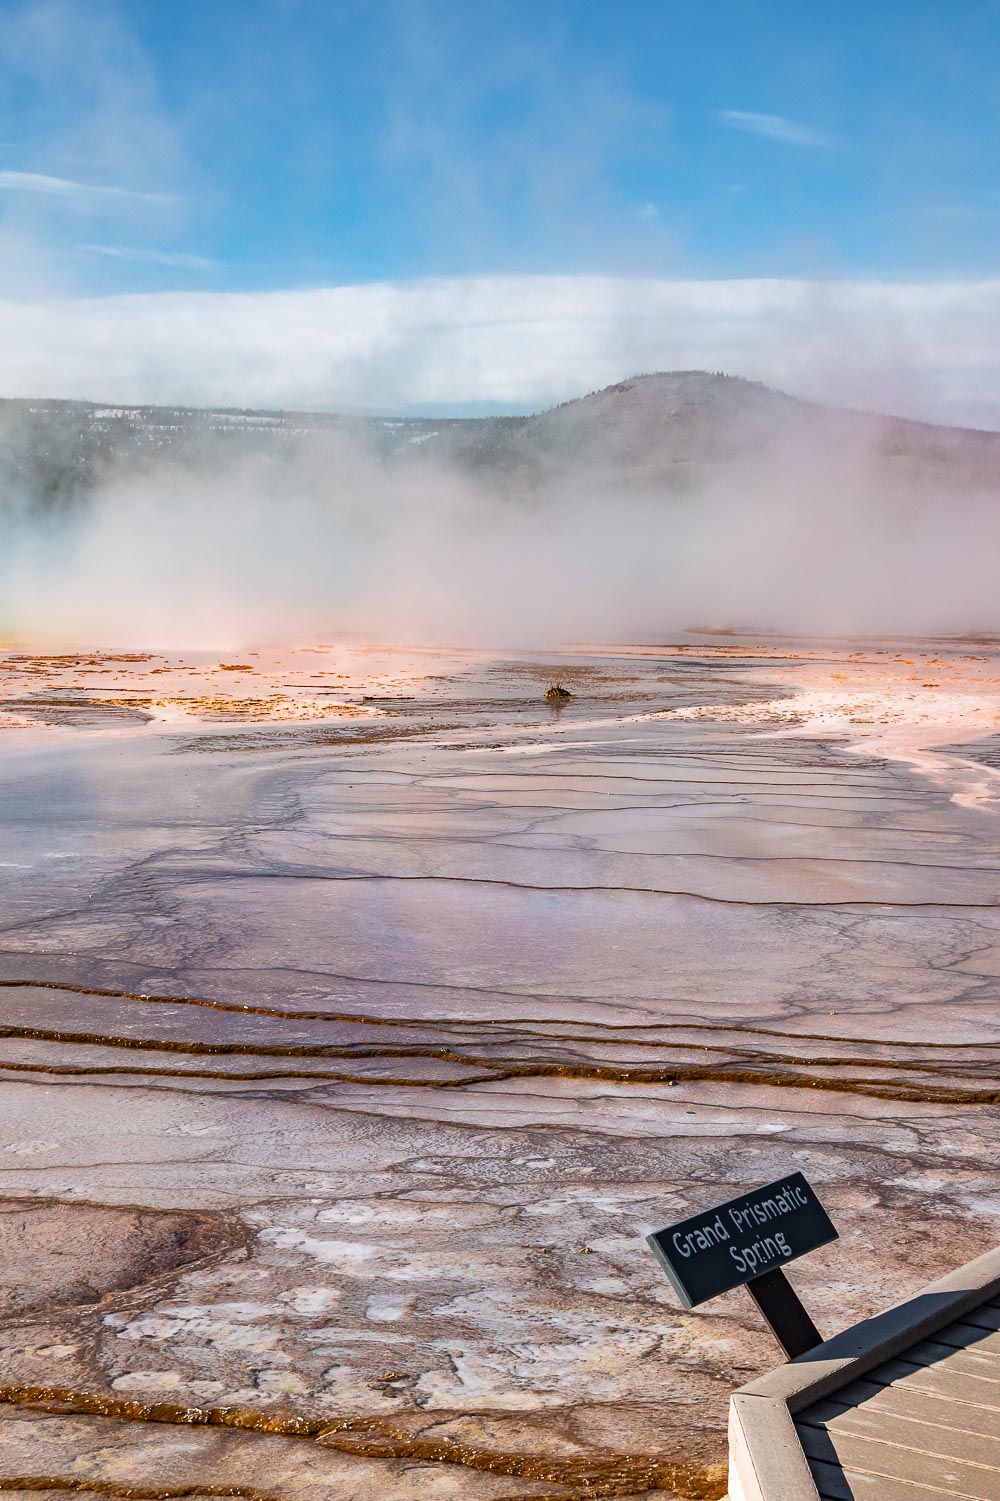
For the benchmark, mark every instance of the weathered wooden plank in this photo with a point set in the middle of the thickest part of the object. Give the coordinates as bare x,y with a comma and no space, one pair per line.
932,1353
908,1402
765,1455
914,1434
951,1380
835,1484
865,1390
893,1462
965,1334
987,1315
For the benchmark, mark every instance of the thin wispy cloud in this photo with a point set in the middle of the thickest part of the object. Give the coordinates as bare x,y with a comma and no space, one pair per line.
69,190
176,258
772,127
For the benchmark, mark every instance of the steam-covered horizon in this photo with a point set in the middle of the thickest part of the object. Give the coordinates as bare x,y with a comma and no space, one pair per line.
655,506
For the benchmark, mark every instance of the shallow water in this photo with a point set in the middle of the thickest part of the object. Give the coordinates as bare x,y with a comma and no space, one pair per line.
417,1022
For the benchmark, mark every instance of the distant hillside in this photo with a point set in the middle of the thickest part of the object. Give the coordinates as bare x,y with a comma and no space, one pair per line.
671,430
663,432
53,452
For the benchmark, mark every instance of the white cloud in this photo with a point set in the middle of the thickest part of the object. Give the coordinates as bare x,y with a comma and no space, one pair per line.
772,127
152,257
79,193
647,211
927,349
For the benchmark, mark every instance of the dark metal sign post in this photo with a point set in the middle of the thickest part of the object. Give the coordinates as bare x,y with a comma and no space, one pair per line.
745,1243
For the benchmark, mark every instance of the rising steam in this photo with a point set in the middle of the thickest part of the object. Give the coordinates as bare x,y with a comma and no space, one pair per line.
819,538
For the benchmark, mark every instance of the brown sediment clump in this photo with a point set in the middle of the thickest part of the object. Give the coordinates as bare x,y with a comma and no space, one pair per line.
274,708
82,1252
53,710
605,1475
308,735
967,1074
44,1486
26,662
42,688
589,1475
671,1076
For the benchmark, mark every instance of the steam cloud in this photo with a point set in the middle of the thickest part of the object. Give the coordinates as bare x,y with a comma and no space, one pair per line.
222,554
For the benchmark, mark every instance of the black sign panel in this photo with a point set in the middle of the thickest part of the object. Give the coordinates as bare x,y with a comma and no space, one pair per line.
725,1247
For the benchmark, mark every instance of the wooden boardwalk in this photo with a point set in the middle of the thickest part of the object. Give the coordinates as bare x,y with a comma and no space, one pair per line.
903,1407
924,1425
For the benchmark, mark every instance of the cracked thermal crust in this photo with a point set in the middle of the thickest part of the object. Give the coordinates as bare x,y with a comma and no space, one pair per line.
341,1078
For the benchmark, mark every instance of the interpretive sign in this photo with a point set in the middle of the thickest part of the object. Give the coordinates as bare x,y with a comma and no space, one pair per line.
742,1240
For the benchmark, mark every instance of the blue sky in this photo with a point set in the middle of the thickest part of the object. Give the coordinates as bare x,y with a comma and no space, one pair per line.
331,141
271,145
